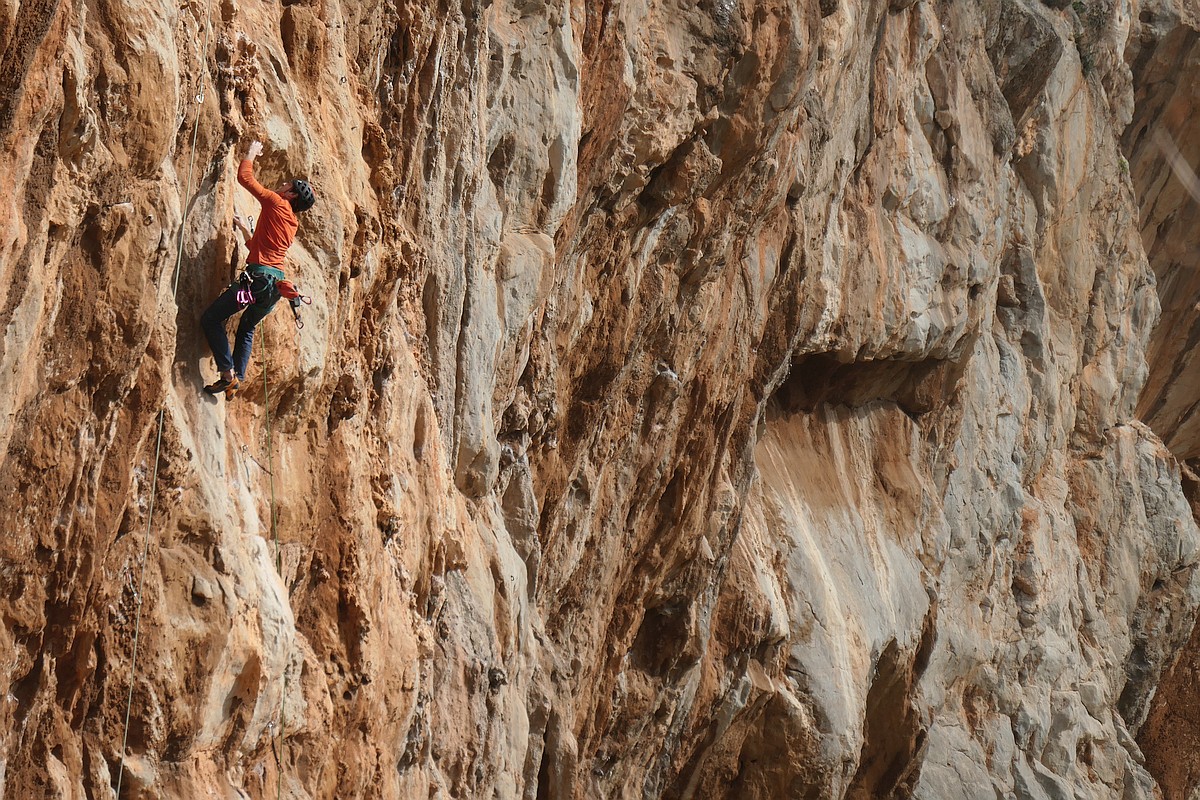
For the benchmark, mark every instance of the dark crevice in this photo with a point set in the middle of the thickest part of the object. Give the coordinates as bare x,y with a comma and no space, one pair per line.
917,387
543,779
894,734
661,638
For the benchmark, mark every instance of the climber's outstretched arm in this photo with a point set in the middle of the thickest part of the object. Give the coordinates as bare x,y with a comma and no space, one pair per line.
245,173
246,178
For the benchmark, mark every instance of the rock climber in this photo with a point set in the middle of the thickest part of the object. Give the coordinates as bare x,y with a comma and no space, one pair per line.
255,291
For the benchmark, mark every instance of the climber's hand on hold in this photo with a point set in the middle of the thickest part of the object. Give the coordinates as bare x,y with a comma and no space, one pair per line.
253,150
240,223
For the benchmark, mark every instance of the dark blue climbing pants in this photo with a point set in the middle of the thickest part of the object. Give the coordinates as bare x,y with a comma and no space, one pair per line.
224,307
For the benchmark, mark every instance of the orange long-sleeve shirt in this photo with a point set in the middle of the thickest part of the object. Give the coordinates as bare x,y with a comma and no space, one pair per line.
277,223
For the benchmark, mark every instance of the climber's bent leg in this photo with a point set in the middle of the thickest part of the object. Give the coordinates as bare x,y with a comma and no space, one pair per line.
244,338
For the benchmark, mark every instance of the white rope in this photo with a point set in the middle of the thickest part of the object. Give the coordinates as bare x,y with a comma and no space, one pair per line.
137,625
1179,165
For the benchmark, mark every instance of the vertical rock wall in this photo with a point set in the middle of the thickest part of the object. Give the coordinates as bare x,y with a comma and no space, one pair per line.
1161,143
719,399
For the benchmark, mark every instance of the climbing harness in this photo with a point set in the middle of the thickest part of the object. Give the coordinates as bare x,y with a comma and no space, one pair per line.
259,283
137,625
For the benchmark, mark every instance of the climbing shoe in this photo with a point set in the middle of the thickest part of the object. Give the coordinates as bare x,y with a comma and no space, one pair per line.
230,387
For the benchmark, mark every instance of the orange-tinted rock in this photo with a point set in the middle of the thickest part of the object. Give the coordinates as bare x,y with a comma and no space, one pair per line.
720,399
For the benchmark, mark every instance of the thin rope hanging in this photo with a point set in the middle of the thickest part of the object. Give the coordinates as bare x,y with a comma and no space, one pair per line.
137,625
278,555
1179,165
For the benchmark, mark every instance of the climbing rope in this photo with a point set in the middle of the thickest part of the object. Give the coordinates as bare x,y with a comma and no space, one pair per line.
270,454
278,552
137,624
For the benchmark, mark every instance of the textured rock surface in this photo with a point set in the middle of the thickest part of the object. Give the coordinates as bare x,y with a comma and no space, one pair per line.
1166,50
719,399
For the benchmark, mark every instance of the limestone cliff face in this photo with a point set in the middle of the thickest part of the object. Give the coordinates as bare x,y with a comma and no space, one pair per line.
1165,53
718,399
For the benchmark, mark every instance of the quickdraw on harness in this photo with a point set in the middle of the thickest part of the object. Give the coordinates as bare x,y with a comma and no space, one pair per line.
289,292
245,296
